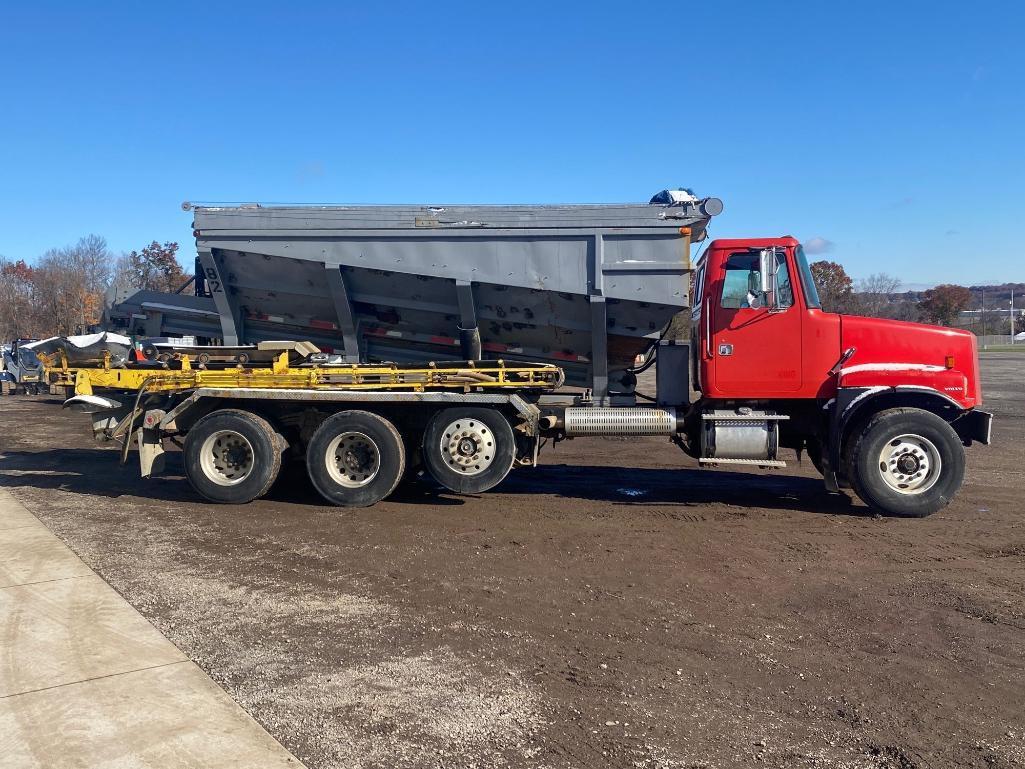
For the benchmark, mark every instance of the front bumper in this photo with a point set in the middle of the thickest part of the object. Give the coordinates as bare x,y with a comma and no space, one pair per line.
974,425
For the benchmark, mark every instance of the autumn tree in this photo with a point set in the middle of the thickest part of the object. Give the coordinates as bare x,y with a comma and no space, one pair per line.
57,293
60,293
90,263
834,285
155,267
18,317
66,287
874,296
944,303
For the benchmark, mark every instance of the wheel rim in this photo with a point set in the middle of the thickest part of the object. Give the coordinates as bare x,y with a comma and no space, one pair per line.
468,446
227,458
353,459
910,464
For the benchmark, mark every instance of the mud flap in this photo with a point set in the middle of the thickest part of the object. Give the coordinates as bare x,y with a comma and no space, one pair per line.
831,455
151,451
839,415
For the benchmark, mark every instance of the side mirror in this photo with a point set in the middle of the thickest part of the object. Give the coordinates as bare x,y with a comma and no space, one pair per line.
767,276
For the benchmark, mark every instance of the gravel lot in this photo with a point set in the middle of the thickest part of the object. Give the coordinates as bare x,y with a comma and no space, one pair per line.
614,607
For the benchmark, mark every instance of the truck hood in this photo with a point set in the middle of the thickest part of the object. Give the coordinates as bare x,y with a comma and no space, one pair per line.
891,352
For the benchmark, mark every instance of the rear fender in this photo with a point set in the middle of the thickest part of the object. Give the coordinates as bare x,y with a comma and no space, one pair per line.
105,413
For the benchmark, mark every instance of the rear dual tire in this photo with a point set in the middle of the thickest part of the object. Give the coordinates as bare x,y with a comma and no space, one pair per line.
355,458
232,456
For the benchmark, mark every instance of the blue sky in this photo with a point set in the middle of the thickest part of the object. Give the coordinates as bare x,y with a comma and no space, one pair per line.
890,134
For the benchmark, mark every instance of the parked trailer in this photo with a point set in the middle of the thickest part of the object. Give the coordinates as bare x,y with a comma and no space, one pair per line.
882,407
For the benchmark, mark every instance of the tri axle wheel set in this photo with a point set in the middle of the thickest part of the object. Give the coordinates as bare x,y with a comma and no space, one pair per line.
354,458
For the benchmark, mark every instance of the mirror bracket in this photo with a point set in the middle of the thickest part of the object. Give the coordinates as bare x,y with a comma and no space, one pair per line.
768,271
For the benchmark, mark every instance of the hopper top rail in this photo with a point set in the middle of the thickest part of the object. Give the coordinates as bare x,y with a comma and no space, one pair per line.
211,219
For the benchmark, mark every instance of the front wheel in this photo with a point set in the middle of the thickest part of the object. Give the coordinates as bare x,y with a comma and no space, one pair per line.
906,462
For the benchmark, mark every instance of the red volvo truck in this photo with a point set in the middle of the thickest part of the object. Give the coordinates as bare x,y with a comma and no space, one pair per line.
883,407
880,406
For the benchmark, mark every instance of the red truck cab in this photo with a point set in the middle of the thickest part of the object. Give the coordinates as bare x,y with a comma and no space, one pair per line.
765,347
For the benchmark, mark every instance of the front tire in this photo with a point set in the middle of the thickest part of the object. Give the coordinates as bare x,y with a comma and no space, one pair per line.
906,462
232,456
355,458
469,450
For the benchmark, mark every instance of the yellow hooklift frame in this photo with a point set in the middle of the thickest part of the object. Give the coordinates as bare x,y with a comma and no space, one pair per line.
466,376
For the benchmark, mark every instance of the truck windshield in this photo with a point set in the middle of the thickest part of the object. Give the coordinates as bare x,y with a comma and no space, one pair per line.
29,358
811,294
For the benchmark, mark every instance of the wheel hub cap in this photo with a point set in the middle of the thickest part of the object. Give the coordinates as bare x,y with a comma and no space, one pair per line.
353,459
227,458
910,464
468,446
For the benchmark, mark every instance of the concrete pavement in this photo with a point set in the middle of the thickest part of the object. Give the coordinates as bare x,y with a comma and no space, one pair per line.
86,681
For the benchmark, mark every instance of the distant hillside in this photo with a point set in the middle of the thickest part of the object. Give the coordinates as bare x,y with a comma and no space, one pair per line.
993,295
998,296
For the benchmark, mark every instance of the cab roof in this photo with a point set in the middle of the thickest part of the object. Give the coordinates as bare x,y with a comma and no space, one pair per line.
783,240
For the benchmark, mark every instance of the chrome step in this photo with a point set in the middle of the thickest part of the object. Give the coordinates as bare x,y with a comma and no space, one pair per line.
758,462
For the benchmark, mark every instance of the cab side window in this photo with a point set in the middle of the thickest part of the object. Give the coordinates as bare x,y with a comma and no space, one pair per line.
741,287
740,281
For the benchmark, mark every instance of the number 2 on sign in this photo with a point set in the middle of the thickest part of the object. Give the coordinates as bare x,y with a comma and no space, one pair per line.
214,280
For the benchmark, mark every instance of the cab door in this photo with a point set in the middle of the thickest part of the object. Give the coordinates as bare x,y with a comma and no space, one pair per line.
755,349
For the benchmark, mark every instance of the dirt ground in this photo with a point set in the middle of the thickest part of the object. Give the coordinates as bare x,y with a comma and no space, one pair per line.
615,607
